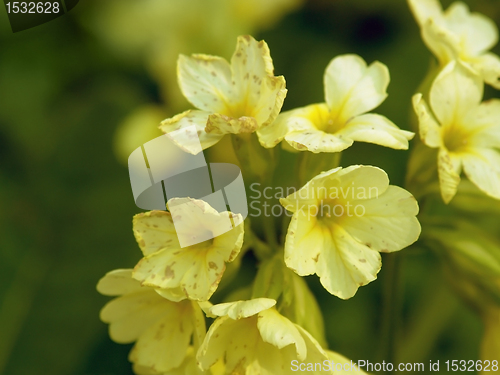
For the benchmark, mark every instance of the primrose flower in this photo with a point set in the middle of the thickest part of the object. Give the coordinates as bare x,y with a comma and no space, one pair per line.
190,272
253,338
466,131
163,329
351,90
457,34
241,97
341,220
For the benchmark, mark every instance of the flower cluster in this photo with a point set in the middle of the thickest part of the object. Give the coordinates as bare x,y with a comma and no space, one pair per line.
462,132
162,304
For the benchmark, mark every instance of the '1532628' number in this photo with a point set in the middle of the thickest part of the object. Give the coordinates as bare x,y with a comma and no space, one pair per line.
32,7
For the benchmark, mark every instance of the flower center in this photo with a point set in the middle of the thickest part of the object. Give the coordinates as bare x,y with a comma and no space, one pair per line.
324,120
332,209
455,139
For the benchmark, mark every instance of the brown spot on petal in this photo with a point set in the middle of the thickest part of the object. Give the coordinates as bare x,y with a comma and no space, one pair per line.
212,265
362,260
169,273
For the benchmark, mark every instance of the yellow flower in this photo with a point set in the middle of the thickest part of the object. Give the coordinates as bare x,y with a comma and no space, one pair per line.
188,366
253,338
186,272
351,90
457,34
341,220
241,97
466,131
164,330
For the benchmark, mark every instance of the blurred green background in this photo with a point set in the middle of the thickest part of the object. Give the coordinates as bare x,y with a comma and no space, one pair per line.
65,200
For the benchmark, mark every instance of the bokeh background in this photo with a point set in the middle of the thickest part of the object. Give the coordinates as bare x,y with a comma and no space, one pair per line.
78,94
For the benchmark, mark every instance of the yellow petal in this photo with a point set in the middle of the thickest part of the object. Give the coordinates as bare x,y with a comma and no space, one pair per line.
271,135
488,66
242,309
118,282
443,43
430,132
205,81
482,167
230,339
132,314
195,270
222,124
180,130
278,331
377,129
155,231
485,122
304,241
424,9
477,32
317,141
455,93
164,344
345,264
257,92
352,88
388,223
449,174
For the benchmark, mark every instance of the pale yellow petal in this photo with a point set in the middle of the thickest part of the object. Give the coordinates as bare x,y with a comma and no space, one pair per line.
242,309
118,282
424,9
252,58
386,223
455,93
164,344
315,353
443,43
278,331
196,269
477,32
180,130
345,264
485,122
230,339
430,131
176,294
269,100
304,241
222,124
131,314
317,141
377,129
482,167
352,88
354,182
205,81
155,231
488,66
271,135
449,175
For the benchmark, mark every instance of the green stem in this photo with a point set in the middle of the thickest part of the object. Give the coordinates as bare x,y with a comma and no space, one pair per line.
391,307
309,165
